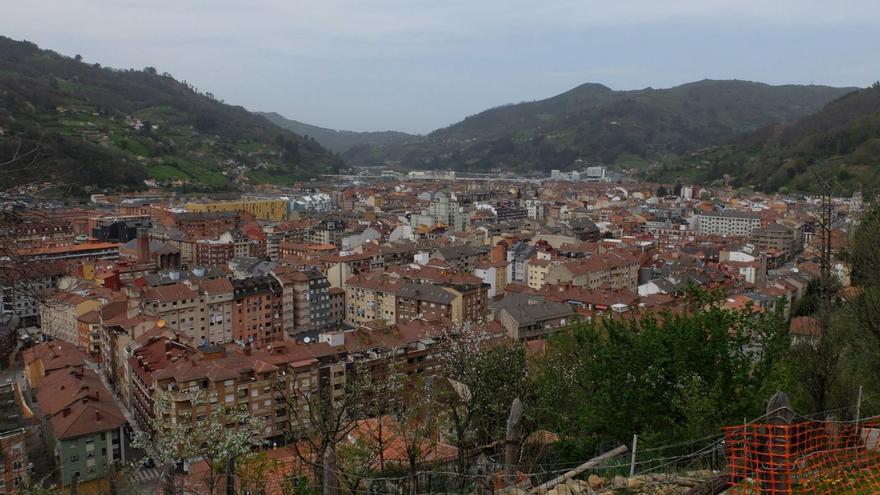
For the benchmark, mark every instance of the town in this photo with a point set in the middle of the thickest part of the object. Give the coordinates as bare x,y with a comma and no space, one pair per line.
117,310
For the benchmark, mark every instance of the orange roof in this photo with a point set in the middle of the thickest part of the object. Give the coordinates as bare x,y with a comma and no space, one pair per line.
69,248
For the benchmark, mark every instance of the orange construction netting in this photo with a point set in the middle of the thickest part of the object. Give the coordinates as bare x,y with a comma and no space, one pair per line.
806,457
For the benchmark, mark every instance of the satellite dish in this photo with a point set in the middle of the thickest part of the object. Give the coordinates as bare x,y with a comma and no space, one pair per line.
307,340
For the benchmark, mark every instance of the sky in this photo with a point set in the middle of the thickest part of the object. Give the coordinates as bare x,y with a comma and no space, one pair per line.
416,65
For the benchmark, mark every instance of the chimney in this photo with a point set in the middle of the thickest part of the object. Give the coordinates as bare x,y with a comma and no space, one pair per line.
143,246
65,412
97,415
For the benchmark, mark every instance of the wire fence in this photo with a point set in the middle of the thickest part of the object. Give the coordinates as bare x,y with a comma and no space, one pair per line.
805,457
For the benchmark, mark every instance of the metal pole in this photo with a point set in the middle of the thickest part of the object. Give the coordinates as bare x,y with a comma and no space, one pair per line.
859,406
632,460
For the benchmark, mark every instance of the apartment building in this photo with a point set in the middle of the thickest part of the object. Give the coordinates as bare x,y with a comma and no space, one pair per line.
371,298
462,259
203,310
86,424
536,272
615,270
471,302
728,223
787,240
205,225
262,209
59,312
306,303
527,317
257,314
426,301
49,357
328,231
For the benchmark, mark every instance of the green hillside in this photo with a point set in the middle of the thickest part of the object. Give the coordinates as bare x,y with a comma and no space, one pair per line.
595,124
839,144
109,128
338,141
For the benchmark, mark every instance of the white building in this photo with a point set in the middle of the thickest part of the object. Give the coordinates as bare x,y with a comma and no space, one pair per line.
728,223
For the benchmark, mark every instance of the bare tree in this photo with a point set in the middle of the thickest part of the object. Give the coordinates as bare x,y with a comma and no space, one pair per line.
319,418
222,437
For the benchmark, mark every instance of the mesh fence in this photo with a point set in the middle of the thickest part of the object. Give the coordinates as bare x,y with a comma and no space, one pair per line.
805,457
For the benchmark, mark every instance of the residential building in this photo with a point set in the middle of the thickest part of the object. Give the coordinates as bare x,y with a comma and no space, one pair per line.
262,209
612,269
49,357
371,298
70,252
728,223
527,317
493,273
536,272
426,301
257,315
463,258
59,312
787,240
86,424
306,300
329,231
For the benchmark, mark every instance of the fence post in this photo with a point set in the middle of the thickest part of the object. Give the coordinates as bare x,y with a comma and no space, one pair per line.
859,407
777,479
632,459
512,441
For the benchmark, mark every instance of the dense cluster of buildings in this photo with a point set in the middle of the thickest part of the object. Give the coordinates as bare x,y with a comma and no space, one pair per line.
239,299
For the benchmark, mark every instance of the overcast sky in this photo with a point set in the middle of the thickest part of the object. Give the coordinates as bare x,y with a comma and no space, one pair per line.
416,65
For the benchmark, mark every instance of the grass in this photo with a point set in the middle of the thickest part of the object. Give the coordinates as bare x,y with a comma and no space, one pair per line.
163,172
196,172
629,160
263,176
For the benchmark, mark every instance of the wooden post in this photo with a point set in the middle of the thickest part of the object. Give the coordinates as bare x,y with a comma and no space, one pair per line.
541,489
329,467
512,441
632,460
776,478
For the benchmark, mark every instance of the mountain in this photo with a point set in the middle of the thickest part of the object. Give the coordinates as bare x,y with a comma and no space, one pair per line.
595,124
109,128
338,141
838,145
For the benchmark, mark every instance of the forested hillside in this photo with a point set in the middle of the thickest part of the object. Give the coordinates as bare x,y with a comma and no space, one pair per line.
338,141
96,127
840,144
593,123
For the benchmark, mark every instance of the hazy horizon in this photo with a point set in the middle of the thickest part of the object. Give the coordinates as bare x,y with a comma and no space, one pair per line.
416,66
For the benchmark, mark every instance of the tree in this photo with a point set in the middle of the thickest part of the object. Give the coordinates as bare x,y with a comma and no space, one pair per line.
479,376
662,192
222,437
320,415
665,377
417,427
